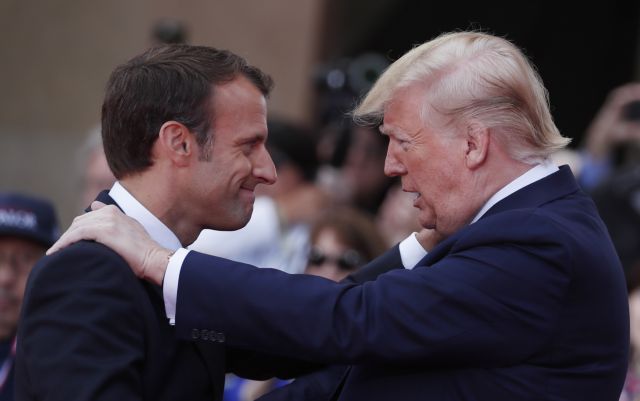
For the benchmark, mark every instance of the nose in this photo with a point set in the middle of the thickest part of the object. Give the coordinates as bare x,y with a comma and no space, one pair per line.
392,166
264,169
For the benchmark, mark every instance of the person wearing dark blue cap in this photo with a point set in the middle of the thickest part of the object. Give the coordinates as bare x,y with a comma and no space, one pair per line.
28,226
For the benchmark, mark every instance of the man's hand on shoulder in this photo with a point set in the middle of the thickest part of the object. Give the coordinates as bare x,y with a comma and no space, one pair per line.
107,225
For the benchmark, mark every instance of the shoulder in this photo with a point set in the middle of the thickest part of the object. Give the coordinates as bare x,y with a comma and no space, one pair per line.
85,261
561,233
557,220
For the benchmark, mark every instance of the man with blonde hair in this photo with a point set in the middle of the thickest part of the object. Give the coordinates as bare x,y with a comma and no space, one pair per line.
513,291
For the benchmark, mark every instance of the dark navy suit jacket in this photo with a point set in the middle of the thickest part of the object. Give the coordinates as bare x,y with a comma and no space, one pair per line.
91,330
528,303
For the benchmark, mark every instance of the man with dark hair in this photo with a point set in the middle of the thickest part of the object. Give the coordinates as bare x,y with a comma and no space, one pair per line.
184,130
28,225
163,84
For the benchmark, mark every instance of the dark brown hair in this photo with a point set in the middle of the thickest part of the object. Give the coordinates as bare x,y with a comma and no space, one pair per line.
354,228
165,83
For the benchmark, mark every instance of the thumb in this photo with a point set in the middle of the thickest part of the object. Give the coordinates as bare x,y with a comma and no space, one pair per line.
96,205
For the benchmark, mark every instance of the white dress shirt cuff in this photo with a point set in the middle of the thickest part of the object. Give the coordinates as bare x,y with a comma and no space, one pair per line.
411,252
170,284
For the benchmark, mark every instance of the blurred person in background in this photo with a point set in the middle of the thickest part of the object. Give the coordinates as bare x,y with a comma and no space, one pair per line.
611,174
612,140
362,172
96,176
631,390
351,156
610,169
397,218
342,241
352,168
28,226
607,166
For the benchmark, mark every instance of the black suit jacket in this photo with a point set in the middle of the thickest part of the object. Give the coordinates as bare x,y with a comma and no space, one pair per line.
91,330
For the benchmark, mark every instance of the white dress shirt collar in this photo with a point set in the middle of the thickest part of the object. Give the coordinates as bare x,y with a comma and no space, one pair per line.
534,174
132,208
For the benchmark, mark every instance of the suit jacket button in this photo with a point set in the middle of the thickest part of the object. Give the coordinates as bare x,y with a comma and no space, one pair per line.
195,334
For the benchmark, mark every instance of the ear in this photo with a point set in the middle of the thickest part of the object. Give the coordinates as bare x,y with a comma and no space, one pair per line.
478,139
176,143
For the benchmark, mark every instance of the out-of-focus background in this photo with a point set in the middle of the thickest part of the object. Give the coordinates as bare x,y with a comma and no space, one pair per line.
55,58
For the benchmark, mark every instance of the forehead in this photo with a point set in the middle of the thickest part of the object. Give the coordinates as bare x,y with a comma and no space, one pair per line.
328,237
404,110
238,104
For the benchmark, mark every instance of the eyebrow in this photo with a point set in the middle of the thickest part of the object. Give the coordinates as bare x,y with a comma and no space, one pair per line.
390,130
257,137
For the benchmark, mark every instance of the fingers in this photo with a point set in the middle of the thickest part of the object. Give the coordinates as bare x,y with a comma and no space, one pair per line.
429,238
107,225
95,205
88,226
72,235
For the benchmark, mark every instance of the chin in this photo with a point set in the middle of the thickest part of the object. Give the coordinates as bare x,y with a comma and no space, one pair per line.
239,223
427,222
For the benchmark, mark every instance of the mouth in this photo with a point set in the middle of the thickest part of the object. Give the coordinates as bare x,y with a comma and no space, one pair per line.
247,186
246,191
417,195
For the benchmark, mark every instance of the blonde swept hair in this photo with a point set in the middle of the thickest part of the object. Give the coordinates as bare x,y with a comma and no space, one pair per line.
474,75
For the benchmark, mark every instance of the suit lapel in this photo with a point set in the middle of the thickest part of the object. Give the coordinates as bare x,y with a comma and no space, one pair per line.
212,355
554,186
108,200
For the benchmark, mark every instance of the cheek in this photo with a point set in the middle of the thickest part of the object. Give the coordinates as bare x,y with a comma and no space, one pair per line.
237,168
441,173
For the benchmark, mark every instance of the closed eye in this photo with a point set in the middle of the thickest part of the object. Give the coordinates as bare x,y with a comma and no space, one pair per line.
252,143
403,143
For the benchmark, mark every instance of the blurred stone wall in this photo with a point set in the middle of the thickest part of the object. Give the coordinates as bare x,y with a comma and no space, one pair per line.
55,58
